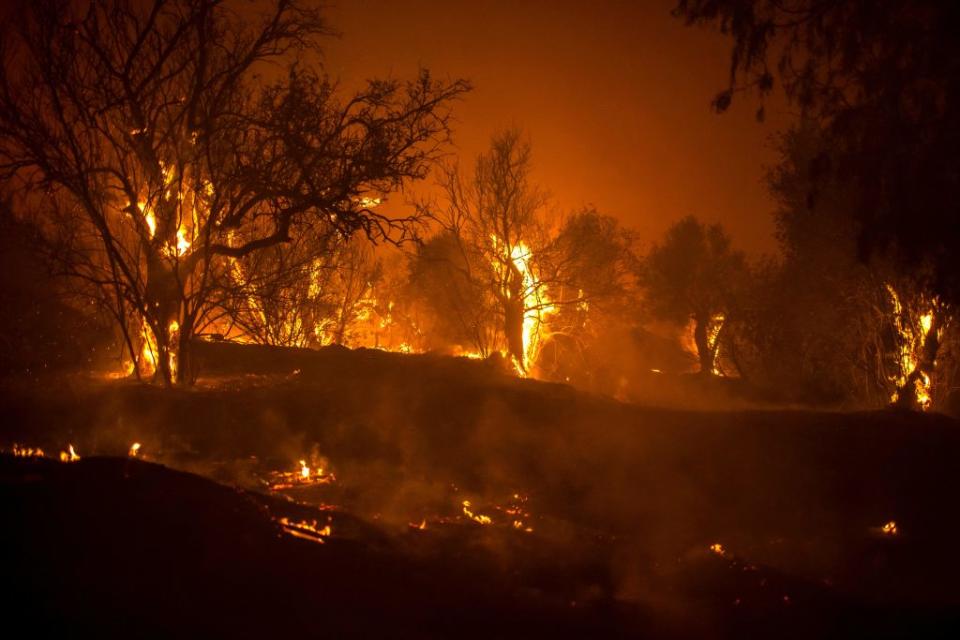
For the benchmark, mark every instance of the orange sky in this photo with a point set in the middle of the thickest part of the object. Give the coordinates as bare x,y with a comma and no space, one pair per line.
614,95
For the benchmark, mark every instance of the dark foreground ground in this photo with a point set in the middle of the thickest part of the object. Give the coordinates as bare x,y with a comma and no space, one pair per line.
599,519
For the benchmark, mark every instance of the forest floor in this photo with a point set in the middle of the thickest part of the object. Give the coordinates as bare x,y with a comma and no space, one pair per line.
464,502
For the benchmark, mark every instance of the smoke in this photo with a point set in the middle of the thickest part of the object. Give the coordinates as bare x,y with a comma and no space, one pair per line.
621,502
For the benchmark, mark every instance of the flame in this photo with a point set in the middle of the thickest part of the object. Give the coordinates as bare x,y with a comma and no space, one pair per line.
478,517
134,450
536,304
27,452
890,528
303,476
713,334
150,351
70,455
183,245
718,549
473,355
149,217
306,529
688,341
913,338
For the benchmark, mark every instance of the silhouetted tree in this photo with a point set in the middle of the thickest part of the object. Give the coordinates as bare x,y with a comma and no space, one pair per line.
460,310
45,326
280,295
880,80
693,275
158,122
592,265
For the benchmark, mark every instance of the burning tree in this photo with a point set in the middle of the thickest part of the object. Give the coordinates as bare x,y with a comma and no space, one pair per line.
877,81
693,276
493,221
279,295
919,328
179,149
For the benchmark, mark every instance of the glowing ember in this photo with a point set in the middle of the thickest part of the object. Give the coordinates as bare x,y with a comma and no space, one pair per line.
718,549
70,455
306,529
303,476
890,528
134,450
517,510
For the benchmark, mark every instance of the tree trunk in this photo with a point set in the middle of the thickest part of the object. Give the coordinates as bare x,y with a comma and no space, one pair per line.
163,296
513,314
513,330
186,374
704,352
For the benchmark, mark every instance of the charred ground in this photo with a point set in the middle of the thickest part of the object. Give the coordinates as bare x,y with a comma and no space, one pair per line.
625,504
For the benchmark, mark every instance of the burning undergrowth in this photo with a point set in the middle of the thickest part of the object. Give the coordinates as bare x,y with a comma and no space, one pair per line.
545,490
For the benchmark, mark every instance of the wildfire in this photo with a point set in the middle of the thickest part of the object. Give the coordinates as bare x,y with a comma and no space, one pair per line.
306,529
70,455
134,450
304,475
890,528
472,355
150,352
688,341
476,517
718,549
149,217
27,452
912,342
517,511
537,306
713,335
183,245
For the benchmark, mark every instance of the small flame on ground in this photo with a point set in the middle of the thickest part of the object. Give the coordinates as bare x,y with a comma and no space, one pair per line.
134,450
890,528
476,517
303,476
27,452
70,455
718,549
306,529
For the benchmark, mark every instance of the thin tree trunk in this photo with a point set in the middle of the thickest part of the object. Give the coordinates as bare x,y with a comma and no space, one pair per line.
704,352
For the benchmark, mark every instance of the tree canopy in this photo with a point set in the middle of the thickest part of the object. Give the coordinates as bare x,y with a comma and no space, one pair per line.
182,136
881,79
